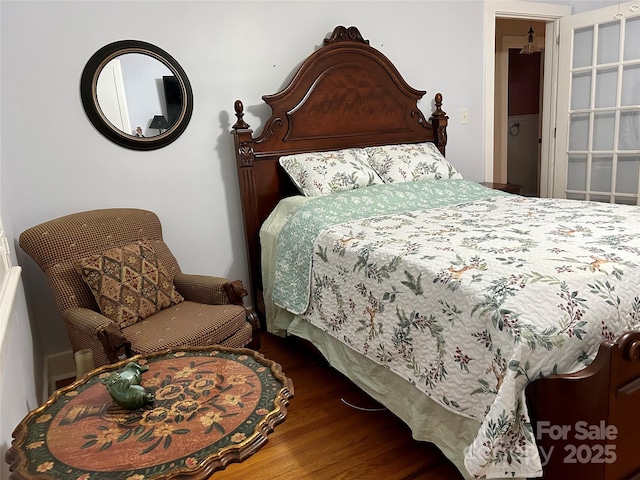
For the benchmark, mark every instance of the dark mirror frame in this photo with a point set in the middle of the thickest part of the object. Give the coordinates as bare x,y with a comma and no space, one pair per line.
88,94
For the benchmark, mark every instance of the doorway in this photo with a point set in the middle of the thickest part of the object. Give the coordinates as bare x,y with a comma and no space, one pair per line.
564,124
545,18
519,78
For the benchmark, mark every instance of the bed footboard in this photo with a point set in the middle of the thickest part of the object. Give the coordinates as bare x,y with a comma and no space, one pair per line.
587,424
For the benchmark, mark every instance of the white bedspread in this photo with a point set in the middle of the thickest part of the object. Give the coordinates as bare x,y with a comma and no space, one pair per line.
467,293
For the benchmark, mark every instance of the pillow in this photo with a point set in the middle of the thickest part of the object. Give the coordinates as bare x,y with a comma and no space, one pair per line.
129,283
322,173
410,162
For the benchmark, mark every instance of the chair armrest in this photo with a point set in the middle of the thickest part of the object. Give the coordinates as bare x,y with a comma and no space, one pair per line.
93,324
86,320
202,288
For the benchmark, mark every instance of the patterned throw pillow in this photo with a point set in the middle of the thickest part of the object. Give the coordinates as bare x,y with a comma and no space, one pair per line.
129,283
322,173
410,162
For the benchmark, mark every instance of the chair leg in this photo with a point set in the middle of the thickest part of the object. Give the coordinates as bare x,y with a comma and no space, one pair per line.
252,318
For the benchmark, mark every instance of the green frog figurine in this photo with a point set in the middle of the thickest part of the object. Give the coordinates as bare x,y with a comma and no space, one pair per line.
125,389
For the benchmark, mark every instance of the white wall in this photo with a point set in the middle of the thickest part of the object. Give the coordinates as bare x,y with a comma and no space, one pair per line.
54,162
579,6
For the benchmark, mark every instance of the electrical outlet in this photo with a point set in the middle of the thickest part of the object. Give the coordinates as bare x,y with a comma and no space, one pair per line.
464,116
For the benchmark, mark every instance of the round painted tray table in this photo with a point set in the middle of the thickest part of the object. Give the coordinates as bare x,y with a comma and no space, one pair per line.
212,406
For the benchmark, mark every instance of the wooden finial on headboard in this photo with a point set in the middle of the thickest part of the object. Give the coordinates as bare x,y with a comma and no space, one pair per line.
439,121
341,33
438,103
240,124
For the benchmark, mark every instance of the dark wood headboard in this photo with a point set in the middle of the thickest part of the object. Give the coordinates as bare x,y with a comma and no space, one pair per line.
346,94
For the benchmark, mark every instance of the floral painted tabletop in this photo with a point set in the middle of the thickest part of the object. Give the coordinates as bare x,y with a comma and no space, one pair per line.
211,406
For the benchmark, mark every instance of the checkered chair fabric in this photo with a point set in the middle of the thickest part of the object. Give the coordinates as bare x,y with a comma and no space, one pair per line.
205,317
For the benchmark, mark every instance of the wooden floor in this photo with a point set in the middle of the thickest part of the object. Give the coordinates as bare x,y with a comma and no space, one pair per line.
323,438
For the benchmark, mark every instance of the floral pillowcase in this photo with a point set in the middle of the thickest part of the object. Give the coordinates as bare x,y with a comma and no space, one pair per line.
410,163
323,173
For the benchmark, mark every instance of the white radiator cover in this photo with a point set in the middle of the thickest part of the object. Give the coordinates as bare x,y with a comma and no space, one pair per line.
9,284
17,378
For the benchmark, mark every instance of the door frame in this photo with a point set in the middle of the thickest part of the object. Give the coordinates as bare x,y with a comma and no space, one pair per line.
550,14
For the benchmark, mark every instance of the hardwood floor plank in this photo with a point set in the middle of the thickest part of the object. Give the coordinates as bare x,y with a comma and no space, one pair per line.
323,438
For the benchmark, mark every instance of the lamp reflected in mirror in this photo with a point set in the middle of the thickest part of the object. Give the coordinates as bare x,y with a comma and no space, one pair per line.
159,123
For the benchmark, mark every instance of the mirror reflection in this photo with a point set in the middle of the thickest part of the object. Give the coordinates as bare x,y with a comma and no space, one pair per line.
135,89
136,95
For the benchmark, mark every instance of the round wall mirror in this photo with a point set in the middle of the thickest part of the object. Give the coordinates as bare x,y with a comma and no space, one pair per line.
136,95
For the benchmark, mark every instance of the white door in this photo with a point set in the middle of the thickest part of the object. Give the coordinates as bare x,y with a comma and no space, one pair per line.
112,98
598,121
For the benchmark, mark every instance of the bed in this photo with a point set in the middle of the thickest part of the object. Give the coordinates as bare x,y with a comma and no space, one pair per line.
501,328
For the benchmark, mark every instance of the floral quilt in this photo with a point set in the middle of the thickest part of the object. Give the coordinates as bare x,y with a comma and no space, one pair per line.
465,292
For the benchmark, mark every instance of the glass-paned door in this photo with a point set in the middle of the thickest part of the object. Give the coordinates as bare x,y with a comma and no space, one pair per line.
598,125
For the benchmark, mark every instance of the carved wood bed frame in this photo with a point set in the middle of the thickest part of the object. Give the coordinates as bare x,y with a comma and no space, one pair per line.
348,94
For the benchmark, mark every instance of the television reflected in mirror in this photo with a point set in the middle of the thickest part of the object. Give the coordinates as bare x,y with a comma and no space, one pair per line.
173,98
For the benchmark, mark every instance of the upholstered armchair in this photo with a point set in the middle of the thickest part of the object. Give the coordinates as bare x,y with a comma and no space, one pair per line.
121,292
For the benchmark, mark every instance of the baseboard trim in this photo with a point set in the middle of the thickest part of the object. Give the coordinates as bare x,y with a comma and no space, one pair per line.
58,366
